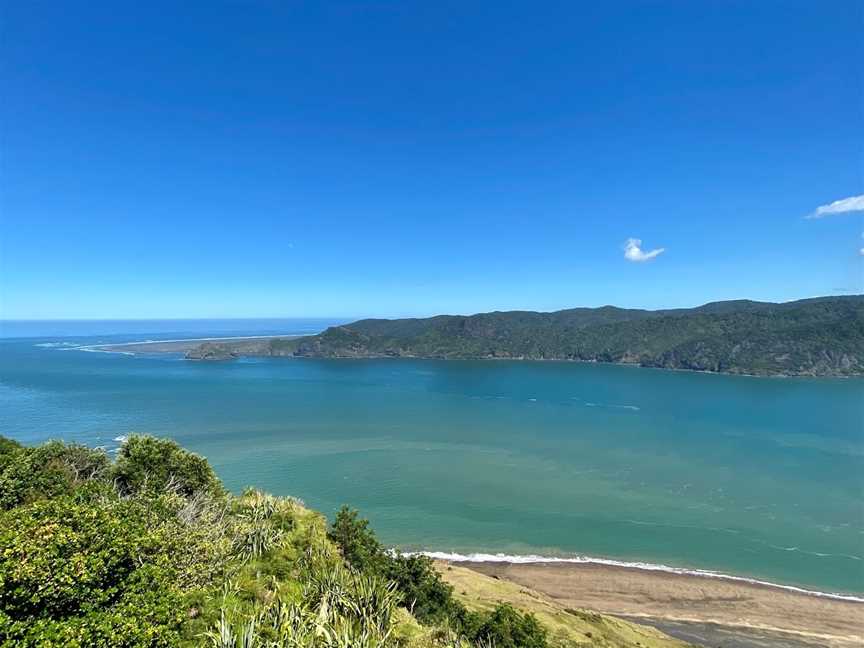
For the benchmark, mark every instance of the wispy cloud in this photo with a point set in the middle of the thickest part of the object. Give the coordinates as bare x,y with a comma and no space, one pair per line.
633,251
844,206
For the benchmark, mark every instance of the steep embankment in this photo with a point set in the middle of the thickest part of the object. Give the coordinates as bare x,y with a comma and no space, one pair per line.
814,337
148,550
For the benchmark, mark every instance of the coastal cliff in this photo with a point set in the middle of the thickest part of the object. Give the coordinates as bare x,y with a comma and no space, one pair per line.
813,337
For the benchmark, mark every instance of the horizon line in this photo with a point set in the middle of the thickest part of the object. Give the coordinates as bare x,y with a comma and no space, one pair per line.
355,317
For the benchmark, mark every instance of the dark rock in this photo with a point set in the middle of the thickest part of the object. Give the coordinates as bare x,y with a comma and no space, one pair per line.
211,351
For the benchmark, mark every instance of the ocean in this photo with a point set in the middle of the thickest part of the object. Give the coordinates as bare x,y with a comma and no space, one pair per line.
760,478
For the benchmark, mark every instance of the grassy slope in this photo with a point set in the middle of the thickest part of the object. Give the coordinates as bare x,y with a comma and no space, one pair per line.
275,575
566,627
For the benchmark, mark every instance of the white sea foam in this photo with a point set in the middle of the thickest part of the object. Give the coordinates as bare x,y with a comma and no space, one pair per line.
635,408
121,439
202,339
818,554
73,346
94,349
583,560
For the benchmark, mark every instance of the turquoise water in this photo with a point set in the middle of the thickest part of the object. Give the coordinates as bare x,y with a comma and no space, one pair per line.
756,477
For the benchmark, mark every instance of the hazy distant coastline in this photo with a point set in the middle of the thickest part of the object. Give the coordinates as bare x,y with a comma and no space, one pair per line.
185,345
812,337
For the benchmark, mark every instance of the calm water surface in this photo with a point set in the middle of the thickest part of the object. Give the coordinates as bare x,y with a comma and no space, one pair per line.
756,477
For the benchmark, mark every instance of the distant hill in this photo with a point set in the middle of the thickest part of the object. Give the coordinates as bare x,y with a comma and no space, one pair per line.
812,337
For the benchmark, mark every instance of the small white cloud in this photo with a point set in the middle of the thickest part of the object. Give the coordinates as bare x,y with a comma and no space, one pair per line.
633,251
844,206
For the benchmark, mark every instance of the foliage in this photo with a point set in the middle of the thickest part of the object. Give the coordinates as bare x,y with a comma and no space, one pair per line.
8,448
257,534
356,541
84,573
426,594
147,463
506,627
823,336
50,470
149,551
428,597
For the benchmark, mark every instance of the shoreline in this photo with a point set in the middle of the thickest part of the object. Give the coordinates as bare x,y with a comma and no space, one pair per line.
509,559
187,344
238,338
172,346
747,611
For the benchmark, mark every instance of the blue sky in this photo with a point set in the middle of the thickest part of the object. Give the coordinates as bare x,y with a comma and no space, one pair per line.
253,159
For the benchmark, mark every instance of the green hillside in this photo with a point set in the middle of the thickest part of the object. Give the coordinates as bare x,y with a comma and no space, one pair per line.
149,550
813,337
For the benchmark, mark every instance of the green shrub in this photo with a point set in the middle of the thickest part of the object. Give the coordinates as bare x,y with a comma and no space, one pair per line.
357,542
47,471
338,608
506,627
88,573
9,450
424,592
149,464
422,588
8,446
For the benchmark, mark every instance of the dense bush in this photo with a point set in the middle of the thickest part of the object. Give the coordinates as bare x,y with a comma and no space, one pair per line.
426,594
147,463
357,541
88,573
8,447
506,627
85,564
50,470
149,551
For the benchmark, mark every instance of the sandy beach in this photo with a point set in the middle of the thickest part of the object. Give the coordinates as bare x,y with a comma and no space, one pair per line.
181,346
704,610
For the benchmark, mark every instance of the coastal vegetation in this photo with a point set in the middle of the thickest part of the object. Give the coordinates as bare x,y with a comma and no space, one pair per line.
150,550
812,337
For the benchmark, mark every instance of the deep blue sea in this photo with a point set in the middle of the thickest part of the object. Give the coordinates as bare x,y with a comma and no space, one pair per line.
756,477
